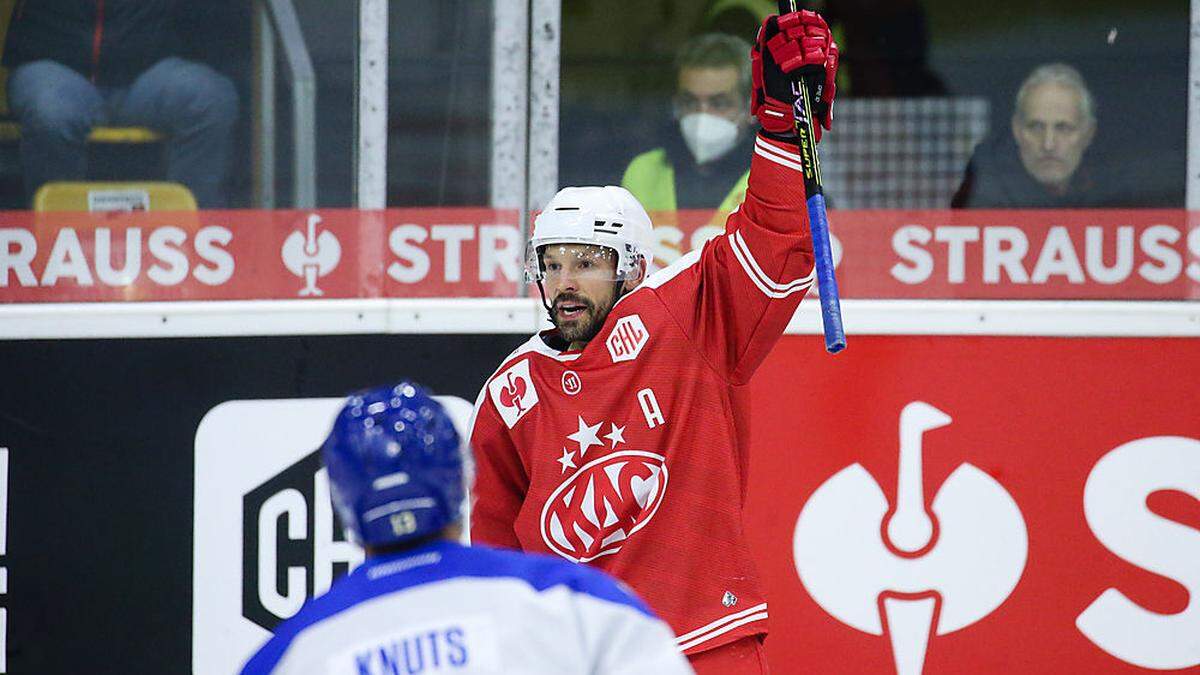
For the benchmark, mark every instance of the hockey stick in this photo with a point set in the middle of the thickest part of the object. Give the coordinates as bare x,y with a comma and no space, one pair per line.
831,306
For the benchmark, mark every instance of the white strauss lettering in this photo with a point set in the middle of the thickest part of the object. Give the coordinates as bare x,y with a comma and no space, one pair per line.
499,251
1000,254
1114,502
668,242
88,256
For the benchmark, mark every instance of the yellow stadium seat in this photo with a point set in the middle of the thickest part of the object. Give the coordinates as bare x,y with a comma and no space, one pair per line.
113,196
124,135
10,131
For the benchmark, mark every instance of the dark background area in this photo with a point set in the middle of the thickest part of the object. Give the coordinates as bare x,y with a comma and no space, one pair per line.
100,436
617,78
617,73
439,103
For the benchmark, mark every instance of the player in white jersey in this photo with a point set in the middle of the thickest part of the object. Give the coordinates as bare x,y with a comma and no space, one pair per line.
421,602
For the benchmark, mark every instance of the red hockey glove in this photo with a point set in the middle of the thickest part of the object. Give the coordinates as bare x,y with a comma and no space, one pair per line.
799,41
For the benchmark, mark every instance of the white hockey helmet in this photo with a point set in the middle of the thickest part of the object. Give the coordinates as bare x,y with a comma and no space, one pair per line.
608,216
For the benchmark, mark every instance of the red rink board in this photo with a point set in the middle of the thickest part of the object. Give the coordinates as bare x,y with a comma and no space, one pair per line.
1036,415
478,252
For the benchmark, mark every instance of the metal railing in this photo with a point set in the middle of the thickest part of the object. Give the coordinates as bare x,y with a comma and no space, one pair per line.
277,19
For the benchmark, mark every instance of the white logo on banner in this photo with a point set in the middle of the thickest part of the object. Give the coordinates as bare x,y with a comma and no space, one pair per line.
310,255
265,532
966,556
1114,502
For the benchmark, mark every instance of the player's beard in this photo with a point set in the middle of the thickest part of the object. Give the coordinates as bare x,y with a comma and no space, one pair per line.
589,322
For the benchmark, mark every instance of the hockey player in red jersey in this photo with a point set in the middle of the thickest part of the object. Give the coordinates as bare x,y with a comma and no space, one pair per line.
618,438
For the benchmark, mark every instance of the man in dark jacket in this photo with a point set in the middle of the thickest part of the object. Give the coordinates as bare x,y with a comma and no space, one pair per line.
78,64
1043,164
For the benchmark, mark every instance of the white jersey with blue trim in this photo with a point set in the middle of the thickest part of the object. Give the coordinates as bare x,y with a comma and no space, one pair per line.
446,608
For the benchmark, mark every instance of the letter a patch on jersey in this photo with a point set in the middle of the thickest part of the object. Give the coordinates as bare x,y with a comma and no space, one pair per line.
513,393
627,338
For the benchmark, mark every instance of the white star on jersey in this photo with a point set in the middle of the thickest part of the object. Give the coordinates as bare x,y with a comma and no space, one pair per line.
616,434
567,460
587,436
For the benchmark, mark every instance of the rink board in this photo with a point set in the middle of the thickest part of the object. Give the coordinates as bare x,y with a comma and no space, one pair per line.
229,255
1069,472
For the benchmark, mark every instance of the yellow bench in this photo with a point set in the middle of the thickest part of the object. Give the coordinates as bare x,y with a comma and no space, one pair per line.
11,131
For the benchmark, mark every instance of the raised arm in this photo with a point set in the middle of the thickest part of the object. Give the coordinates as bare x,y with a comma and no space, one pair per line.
734,297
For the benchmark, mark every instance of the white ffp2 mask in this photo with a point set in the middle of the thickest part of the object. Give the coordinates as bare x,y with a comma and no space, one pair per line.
708,136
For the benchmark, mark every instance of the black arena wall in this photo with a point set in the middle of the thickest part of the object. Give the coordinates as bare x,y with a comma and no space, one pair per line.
100,436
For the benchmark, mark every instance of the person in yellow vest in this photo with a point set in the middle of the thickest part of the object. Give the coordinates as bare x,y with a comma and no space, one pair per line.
703,161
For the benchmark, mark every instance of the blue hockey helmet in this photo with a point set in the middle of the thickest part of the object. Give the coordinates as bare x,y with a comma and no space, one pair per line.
395,465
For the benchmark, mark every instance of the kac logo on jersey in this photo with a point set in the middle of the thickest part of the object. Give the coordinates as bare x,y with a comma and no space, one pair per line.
513,393
627,338
604,503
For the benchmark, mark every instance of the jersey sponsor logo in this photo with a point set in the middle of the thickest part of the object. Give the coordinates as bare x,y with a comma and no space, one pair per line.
594,511
627,338
571,384
904,570
513,393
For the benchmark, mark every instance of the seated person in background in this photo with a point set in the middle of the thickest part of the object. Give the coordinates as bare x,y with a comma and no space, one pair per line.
1054,122
77,65
703,162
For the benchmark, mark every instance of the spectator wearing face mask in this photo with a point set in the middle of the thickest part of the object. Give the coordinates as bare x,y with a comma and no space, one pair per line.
703,162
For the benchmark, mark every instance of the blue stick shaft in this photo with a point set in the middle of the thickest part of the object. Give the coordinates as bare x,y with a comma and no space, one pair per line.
831,306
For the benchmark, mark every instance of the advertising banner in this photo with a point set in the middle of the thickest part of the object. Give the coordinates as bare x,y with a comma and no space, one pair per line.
478,252
916,504
982,505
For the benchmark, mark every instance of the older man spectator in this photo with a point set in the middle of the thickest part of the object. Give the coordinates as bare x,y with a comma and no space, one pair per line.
1044,162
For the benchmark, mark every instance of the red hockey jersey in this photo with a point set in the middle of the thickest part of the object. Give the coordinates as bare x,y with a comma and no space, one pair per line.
631,454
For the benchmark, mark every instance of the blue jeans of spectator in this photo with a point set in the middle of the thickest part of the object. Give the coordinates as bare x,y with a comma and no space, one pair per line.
192,104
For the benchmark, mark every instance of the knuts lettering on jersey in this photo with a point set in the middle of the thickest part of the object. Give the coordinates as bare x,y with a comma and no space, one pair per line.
513,393
627,338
